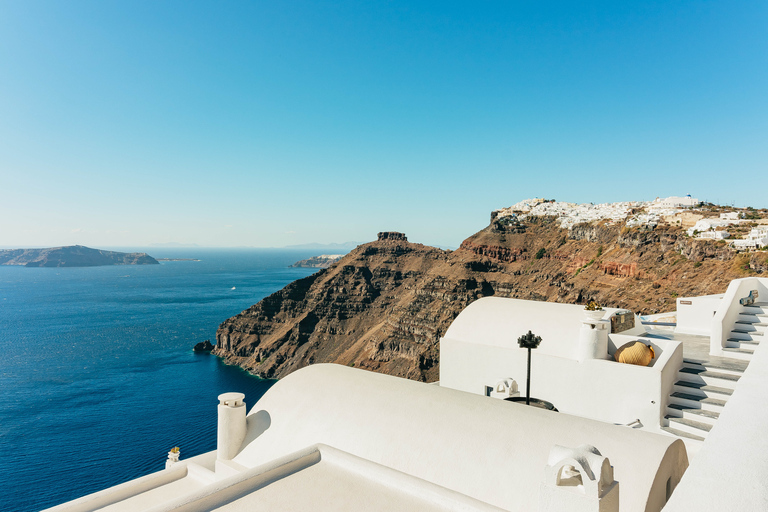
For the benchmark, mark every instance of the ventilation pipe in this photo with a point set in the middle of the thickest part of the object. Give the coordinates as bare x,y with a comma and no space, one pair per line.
231,425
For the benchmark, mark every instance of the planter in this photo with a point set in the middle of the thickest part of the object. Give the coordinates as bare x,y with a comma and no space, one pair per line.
535,402
594,315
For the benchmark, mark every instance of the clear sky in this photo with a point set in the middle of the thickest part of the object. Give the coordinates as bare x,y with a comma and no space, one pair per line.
285,122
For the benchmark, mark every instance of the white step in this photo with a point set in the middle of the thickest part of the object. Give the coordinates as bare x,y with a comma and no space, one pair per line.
697,402
746,325
680,433
700,415
753,317
743,334
745,344
729,367
755,309
696,428
738,353
703,390
709,377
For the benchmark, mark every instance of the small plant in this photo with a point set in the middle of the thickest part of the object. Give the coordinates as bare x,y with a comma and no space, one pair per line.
697,264
593,306
599,251
540,253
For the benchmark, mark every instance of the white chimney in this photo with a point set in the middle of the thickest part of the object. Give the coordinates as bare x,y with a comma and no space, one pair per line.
231,425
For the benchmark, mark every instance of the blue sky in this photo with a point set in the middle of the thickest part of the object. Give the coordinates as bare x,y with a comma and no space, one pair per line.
276,123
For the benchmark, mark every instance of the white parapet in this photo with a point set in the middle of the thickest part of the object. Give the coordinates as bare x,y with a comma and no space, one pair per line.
232,425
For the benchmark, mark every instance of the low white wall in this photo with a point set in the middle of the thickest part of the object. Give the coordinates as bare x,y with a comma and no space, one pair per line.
695,314
729,309
600,389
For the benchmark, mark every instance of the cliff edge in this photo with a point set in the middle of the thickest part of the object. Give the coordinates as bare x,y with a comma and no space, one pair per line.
384,306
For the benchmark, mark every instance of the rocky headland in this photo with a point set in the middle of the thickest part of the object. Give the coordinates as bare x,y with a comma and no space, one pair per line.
384,306
322,261
73,256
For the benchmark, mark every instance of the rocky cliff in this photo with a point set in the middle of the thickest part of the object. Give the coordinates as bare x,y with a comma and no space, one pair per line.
384,306
72,256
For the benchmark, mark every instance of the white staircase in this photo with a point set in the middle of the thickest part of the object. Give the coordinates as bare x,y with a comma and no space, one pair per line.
700,393
748,331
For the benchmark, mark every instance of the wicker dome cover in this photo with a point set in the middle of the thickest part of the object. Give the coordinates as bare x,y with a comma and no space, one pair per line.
634,352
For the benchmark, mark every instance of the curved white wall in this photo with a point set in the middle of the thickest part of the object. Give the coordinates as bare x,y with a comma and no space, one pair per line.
488,449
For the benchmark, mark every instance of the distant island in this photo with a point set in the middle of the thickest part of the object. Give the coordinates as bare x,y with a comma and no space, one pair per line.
322,261
177,259
72,256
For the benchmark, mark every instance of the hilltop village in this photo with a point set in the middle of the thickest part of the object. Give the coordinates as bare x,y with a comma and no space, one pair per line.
701,221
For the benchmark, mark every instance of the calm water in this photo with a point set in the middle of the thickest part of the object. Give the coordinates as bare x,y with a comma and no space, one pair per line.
97,374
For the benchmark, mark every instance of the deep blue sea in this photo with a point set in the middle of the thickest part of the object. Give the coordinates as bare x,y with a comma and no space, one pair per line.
97,376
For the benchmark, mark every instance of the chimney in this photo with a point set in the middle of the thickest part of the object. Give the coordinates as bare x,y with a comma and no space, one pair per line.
231,425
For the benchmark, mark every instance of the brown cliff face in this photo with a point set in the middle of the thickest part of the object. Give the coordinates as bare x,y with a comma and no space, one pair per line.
384,306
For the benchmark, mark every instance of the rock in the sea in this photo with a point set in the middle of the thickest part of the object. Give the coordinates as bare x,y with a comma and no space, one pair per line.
203,346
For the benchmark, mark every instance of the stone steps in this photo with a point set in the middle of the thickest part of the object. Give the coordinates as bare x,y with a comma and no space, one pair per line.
700,415
739,353
696,428
697,402
680,433
703,390
704,376
730,366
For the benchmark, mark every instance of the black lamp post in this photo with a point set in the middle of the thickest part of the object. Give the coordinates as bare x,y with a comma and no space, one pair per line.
528,341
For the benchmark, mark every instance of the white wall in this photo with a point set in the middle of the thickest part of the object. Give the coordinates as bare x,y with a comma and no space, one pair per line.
601,389
729,309
500,322
694,314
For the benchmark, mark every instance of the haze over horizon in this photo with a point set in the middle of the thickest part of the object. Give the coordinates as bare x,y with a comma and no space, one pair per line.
275,124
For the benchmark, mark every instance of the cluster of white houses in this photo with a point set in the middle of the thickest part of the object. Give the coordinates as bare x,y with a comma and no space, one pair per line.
632,213
673,210
684,432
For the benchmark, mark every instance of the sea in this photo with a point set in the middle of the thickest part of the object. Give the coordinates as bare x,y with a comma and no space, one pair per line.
98,380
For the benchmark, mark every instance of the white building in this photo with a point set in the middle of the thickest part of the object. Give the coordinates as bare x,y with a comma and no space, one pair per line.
677,202
714,235
329,437
756,239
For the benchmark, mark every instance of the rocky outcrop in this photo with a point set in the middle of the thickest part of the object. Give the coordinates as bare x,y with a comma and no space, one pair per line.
203,346
384,306
505,254
73,256
392,235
